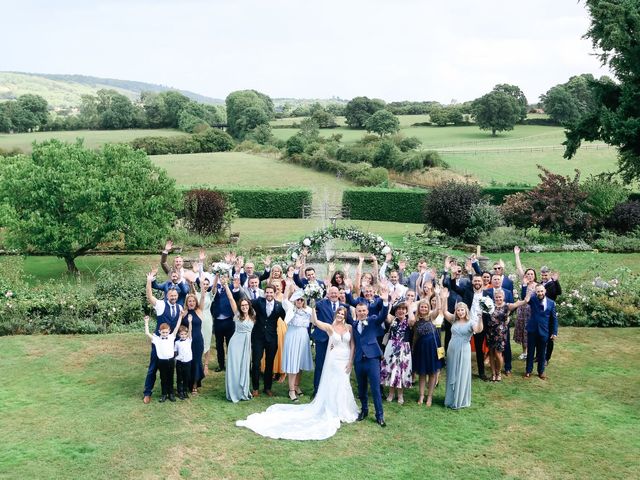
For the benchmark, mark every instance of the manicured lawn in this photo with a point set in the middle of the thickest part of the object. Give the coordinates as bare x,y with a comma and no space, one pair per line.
71,408
92,138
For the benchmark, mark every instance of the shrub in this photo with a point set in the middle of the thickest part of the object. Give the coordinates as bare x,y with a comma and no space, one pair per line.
503,239
483,218
387,155
204,211
268,202
409,163
209,140
625,217
385,204
214,140
497,194
431,159
406,144
610,242
603,194
355,154
516,210
448,206
295,145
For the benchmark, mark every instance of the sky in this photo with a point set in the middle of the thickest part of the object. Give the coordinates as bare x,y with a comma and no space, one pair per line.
394,50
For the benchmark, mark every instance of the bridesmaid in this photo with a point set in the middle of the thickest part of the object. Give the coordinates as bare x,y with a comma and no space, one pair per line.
297,351
458,394
237,378
426,344
197,341
206,299
395,367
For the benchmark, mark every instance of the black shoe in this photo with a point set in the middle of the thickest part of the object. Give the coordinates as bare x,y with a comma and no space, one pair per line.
162,399
172,397
181,395
219,369
380,421
484,378
362,415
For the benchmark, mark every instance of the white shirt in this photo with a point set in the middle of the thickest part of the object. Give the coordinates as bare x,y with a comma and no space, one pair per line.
164,346
183,347
270,306
159,307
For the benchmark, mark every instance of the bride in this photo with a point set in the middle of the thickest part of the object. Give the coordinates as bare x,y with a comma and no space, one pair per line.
334,402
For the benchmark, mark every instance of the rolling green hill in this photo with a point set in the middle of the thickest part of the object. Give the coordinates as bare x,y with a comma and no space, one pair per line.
66,90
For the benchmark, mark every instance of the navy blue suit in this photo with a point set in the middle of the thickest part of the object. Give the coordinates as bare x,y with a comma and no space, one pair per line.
553,290
367,360
542,324
324,313
182,288
172,320
303,282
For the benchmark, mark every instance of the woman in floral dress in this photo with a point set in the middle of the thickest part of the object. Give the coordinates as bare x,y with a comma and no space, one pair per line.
395,367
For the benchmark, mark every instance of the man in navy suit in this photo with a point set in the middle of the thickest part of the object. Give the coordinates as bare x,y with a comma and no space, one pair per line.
542,326
325,310
174,283
309,277
264,339
366,329
551,283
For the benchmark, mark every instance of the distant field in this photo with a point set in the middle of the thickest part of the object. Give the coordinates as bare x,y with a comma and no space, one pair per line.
243,169
92,138
405,120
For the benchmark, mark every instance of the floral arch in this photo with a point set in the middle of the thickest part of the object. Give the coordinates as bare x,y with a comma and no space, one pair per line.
366,241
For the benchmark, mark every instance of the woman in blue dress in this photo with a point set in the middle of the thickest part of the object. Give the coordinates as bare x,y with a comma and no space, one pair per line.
425,349
197,340
458,393
237,375
297,351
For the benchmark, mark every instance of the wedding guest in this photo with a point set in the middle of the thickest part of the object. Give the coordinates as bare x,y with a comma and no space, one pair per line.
335,278
264,339
365,279
173,283
184,357
541,327
178,264
309,277
410,280
396,289
253,289
458,392
524,312
425,348
278,370
237,377
551,282
167,312
486,280
163,343
276,275
496,282
297,350
222,313
194,315
497,329
395,367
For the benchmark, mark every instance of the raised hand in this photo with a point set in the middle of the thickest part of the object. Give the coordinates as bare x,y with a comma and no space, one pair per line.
240,261
348,283
516,250
168,246
267,261
373,258
202,255
361,260
298,263
388,257
402,265
384,290
151,276
146,319
555,276
444,293
227,258
447,263
332,267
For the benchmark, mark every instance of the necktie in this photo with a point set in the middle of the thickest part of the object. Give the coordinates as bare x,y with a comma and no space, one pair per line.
335,307
254,294
173,311
360,328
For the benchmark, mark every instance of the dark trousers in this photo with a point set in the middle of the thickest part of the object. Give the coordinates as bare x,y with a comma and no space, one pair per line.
507,352
550,344
321,353
150,379
537,344
447,336
368,374
478,338
260,346
166,375
223,330
183,376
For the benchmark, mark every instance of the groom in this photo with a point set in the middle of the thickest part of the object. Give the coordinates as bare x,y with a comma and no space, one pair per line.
366,329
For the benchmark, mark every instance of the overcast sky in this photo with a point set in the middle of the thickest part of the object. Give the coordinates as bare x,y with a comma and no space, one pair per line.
394,50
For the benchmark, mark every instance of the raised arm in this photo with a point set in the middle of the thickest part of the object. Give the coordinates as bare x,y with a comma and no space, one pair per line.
151,276
325,327
376,269
522,301
165,254
175,330
519,269
444,296
227,290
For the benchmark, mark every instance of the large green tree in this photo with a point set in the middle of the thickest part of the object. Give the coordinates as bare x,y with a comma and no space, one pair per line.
382,122
115,111
567,102
359,109
65,199
615,117
246,109
496,111
27,113
516,93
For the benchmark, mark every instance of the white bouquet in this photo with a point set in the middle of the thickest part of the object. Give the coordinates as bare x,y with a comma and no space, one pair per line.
313,291
221,269
487,305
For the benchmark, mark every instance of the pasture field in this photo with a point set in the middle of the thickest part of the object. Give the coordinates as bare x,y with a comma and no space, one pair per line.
92,138
239,169
74,410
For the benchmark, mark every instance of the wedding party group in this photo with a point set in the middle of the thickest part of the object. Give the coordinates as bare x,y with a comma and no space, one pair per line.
385,324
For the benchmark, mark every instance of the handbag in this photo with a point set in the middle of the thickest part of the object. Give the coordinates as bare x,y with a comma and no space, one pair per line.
439,350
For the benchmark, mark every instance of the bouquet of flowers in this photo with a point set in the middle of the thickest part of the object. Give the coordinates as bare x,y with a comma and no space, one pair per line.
487,305
313,291
221,269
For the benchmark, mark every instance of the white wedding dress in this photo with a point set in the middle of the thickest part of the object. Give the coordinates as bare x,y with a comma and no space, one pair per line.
320,419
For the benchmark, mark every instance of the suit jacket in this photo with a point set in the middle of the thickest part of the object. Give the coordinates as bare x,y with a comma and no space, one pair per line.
266,325
182,288
367,342
464,289
374,306
247,293
553,289
544,322
303,282
324,312
508,295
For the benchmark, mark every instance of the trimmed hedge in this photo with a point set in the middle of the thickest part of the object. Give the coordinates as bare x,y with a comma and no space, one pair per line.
385,204
496,194
256,202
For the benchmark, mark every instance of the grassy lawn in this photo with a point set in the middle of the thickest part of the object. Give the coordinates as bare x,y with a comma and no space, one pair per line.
244,169
92,138
75,411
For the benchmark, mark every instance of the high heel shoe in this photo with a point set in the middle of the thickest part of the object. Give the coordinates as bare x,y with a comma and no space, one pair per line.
293,398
